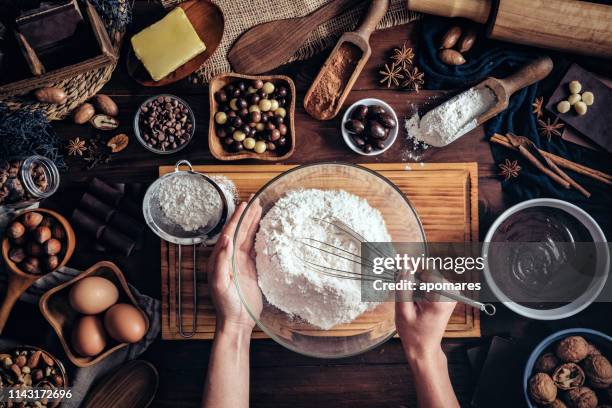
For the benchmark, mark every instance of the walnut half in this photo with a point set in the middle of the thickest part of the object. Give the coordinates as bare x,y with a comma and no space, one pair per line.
568,376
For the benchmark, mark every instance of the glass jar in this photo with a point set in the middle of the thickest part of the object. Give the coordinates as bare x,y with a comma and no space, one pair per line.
27,180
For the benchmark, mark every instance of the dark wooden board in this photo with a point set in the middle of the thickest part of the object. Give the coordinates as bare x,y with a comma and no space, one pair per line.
596,124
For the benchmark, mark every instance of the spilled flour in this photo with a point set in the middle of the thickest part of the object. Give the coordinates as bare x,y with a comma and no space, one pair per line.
451,120
323,301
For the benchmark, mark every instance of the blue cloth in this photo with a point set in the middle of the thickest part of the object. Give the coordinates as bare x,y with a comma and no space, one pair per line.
492,58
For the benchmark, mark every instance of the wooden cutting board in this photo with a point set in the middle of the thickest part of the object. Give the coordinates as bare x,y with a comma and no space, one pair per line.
445,196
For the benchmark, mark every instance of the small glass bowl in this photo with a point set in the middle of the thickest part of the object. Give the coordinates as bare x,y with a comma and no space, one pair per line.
140,137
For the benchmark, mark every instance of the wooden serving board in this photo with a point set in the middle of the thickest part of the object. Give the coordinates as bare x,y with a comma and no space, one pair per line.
445,196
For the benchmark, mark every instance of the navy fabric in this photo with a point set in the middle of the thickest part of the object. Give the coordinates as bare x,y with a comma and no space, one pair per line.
493,58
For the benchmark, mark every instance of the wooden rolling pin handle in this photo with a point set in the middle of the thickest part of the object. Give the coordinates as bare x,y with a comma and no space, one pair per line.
17,284
529,74
377,10
329,10
475,10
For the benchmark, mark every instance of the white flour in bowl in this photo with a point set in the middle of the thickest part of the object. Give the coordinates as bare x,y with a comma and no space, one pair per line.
323,301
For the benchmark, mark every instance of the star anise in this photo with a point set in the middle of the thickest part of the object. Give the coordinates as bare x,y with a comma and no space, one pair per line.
403,56
414,79
391,75
537,106
76,147
550,128
509,169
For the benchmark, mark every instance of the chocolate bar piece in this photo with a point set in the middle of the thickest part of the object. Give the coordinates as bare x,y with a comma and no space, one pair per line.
105,192
87,223
111,238
127,225
50,24
96,207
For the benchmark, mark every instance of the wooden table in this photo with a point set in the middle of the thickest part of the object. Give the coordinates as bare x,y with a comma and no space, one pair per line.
281,378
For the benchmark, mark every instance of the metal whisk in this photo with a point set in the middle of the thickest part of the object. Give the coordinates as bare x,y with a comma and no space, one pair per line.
358,259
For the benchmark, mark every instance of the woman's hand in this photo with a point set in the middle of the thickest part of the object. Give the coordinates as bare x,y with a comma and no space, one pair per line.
421,326
231,313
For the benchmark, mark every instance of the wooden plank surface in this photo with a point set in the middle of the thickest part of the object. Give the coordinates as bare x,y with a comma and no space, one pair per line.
444,195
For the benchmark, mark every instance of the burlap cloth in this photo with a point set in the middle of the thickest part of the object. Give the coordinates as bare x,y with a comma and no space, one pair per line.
240,15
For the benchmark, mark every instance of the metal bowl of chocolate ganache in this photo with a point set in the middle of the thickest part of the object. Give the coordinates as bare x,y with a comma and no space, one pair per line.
546,259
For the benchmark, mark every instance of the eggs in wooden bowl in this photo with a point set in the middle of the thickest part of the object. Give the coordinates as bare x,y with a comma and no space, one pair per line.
94,314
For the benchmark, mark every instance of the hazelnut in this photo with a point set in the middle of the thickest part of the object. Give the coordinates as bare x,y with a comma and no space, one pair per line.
33,249
32,219
598,370
572,349
17,255
568,376
52,247
31,265
542,389
546,363
42,234
16,230
58,232
581,397
51,263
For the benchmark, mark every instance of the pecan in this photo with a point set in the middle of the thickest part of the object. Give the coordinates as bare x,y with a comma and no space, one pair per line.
34,359
47,359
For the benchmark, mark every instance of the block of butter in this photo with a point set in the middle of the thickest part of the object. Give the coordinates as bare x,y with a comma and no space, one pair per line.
166,45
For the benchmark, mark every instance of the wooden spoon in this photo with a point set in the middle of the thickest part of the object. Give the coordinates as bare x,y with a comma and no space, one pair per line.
207,20
263,47
360,39
18,280
131,386
504,88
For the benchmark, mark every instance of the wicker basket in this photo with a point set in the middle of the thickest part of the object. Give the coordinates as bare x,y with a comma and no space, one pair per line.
80,82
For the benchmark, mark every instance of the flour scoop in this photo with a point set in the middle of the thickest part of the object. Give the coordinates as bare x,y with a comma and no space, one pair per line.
175,234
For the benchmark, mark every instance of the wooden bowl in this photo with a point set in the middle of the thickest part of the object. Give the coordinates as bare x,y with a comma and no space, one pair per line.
214,143
55,307
18,280
67,251
208,21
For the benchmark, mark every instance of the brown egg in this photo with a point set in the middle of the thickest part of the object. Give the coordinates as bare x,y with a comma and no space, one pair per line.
125,323
93,295
88,336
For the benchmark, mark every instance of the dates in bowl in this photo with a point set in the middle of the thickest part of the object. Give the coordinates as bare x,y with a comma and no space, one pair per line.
251,117
369,127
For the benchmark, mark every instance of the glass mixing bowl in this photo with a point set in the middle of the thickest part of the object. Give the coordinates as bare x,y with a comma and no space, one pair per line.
373,327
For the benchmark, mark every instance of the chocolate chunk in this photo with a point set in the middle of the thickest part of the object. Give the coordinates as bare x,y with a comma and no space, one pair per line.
88,223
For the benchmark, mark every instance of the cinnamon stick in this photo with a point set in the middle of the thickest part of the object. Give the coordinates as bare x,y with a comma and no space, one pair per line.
556,178
560,161
565,176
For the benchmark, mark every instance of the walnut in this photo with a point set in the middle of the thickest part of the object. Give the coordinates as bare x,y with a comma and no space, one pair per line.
546,363
581,397
568,376
572,349
598,370
557,404
593,350
542,389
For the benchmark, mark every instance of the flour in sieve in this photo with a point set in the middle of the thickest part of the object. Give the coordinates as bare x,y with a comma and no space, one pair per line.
189,201
323,301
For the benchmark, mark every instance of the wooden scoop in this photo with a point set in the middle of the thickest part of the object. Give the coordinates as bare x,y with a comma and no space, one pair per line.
263,48
504,88
360,39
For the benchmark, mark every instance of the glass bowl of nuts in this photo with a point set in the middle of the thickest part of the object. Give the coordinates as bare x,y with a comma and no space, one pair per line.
164,124
28,366
369,127
251,117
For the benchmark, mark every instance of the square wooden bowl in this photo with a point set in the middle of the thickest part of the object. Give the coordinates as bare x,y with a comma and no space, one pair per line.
214,143
55,307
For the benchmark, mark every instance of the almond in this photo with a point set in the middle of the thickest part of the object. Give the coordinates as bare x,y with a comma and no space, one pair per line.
451,37
34,359
451,57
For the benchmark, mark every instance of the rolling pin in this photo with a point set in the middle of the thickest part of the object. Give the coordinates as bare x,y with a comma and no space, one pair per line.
574,26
